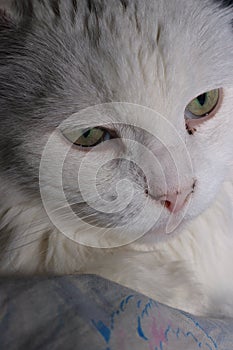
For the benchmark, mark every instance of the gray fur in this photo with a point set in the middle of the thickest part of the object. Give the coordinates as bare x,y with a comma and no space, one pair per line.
60,57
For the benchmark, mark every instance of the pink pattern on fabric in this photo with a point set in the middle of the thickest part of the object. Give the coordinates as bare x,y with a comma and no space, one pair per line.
121,339
158,334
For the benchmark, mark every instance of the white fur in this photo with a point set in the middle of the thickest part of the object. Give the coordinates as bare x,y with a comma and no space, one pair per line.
194,270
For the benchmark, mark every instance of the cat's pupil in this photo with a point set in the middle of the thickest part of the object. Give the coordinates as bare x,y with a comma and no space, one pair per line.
87,134
202,99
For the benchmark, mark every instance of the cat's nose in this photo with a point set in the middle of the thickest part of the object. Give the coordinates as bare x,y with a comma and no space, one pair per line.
175,202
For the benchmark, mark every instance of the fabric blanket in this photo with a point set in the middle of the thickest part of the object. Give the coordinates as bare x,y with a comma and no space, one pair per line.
90,313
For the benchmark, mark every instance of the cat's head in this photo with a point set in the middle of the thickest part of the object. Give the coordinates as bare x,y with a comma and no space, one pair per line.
119,110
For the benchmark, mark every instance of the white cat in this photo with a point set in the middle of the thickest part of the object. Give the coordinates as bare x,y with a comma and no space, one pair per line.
149,179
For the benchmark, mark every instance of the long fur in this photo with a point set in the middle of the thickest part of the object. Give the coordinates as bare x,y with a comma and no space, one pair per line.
58,58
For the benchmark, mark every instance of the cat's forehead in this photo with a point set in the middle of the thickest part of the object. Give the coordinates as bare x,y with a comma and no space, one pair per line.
166,49
156,53
159,49
159,53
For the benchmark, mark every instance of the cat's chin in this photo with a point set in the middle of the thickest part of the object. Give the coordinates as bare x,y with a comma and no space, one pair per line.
150,241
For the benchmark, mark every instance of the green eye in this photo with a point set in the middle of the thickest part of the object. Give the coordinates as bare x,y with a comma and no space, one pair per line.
89,137
92,137
203,105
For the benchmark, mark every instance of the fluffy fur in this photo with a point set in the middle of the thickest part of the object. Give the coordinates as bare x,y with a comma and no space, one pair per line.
60,57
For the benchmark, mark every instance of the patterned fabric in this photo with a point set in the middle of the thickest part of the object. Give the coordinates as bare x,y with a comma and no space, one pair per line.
90,313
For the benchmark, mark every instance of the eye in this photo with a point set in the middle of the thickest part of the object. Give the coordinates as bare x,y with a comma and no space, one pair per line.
89,137
203,105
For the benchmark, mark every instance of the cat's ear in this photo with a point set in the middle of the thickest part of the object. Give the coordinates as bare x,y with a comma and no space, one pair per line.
13,11
8,14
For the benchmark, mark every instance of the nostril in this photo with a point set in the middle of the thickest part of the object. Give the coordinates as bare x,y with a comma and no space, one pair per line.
167,204
194,185
175,202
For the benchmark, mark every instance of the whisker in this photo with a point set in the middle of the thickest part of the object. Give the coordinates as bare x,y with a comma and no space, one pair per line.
22,246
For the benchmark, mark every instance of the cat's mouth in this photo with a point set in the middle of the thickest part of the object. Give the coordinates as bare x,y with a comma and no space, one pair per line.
171,221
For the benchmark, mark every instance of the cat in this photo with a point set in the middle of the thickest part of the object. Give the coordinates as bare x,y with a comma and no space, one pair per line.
116,145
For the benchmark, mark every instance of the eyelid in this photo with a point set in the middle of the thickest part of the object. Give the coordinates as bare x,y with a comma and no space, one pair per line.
111,131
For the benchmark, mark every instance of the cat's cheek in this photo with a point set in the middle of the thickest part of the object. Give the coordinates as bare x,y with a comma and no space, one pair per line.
203,197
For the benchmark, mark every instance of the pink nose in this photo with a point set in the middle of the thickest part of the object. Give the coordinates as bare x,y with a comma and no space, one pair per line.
176,201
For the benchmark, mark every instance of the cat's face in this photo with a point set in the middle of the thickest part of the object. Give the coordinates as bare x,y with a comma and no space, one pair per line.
147,164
